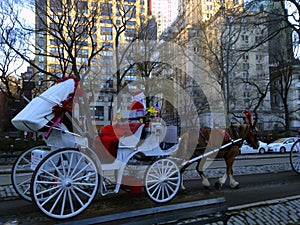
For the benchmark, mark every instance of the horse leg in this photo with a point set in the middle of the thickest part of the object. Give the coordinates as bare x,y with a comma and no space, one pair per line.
181,174
229,163
205,181
219,183
233,183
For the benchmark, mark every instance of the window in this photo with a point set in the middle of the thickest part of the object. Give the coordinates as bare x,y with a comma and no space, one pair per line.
246,57
106,37
245,75
106,53
82,7
105,30
41,42
246,94
246,66
42,66
245,38
106,21
258,38
259,66
56,5
83,52
41,59
131,23
130,32
54,42
106,9
82,43
99,113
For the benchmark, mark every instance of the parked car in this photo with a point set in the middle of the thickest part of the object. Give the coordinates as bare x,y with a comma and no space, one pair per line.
282,145
247,149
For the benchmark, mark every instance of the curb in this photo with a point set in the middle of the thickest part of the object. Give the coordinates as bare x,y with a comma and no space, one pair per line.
264,203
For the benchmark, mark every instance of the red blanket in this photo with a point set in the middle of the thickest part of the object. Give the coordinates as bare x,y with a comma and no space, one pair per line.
107,141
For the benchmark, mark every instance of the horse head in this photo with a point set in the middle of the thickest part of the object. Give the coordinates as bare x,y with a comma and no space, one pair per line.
248,133
251,138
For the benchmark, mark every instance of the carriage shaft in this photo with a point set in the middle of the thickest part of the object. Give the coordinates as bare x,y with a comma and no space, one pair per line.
206,154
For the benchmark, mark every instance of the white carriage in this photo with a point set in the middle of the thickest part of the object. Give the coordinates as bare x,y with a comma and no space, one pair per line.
63,177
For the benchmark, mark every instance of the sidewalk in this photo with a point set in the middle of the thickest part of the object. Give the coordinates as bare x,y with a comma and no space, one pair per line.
284,211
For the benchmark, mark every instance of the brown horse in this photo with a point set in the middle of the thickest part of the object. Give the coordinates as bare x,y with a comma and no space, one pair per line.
211,140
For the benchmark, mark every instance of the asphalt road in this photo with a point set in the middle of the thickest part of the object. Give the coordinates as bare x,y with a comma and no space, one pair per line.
253,188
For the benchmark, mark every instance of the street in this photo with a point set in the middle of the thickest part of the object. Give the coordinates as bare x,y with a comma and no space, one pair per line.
253,188
241,161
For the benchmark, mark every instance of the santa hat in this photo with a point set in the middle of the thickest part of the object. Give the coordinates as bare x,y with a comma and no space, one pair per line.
138,95
136,105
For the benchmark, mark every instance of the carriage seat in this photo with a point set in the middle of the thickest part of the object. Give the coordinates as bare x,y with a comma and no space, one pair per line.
107,141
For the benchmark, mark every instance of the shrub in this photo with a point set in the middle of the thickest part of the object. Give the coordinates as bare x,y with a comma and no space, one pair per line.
20,145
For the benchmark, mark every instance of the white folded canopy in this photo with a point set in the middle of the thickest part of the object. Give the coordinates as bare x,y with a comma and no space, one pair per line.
38,112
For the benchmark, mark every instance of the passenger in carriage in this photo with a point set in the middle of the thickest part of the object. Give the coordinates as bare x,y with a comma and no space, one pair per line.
107,141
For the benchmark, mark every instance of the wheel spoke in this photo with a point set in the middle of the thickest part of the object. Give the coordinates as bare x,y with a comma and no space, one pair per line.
51,196
70,201
56,201
64,183
56,168
51,176
77,197
48,190
75,168
62,164
85,176
89,164
25,182
162,180
63,203
70,165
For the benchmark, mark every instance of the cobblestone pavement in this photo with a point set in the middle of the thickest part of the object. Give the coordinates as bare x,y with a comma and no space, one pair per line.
260,213
285,211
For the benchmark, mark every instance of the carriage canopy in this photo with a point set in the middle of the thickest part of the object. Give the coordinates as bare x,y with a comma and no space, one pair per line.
39,112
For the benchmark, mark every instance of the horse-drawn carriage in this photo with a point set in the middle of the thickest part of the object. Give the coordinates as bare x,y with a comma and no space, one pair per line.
295,156
63,177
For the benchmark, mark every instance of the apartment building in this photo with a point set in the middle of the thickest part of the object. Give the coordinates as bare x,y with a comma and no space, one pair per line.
227,43
164,12
85,37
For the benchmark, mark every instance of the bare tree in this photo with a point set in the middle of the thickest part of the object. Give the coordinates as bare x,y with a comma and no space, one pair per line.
10,62
292,14
282,85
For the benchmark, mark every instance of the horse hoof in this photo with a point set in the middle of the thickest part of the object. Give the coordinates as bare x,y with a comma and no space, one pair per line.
207,188
218,185
236,187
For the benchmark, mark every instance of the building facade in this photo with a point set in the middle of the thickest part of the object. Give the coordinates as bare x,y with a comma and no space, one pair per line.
88,39
233,39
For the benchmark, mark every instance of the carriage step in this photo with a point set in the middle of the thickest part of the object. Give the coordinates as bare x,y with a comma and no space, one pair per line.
107,192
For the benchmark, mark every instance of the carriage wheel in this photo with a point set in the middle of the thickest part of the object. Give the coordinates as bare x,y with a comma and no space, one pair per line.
295,156
162,180
64,183
21,173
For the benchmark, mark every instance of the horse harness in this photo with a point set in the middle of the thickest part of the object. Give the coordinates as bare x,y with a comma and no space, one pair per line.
226,136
